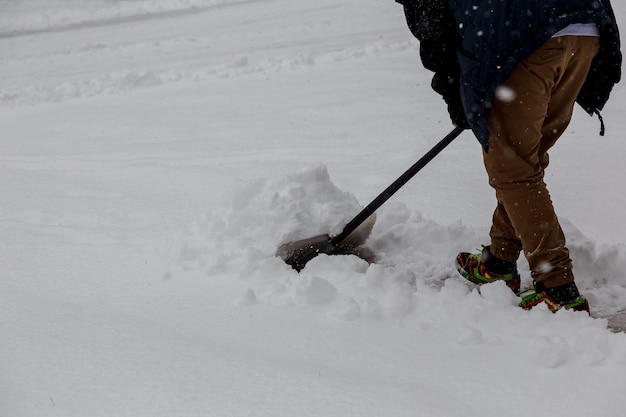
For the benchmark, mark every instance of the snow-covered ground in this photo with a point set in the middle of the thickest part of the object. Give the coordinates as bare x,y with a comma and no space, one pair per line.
154,154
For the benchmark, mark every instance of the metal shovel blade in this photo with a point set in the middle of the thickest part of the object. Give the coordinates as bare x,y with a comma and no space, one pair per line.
298,253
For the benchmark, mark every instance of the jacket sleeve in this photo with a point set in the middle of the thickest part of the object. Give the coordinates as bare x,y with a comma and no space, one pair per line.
432,24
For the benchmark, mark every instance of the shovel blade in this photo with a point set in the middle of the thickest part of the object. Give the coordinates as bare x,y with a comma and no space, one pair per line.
298,253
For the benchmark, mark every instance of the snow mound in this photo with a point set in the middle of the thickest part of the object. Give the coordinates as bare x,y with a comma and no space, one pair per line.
413,280
600,270
262,215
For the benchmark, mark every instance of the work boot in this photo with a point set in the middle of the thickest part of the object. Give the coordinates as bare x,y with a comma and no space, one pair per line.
564,296
484,268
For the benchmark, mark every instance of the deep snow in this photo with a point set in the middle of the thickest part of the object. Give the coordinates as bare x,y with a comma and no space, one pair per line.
156,152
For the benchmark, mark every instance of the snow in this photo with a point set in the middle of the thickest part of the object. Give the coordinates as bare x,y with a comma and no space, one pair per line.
155,153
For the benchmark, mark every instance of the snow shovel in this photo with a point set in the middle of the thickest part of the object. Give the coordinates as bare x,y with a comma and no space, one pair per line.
356,232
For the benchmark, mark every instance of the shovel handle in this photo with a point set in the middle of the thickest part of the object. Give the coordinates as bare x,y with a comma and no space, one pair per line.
393,188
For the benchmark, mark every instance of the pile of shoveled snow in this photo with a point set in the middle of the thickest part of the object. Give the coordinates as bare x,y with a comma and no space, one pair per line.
413,279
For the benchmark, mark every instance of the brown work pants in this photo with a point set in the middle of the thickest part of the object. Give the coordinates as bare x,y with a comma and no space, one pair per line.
529,113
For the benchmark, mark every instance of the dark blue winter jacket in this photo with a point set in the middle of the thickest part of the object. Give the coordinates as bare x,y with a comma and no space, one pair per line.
474,45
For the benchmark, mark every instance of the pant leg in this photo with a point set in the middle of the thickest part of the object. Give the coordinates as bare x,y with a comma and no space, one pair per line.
528,115
505,244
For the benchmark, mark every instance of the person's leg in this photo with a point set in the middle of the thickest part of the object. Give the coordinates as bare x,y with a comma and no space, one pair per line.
505,244
561,105
527,117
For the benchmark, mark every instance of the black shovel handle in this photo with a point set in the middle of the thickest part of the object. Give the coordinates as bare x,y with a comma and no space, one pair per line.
393,188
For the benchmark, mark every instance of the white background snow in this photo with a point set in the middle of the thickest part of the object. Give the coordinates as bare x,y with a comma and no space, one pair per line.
154,153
